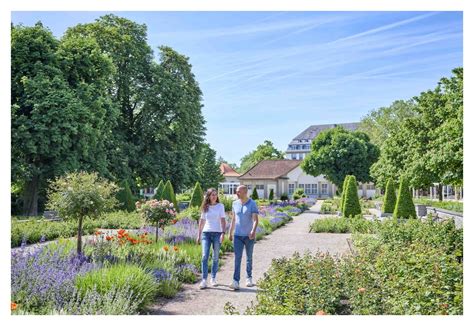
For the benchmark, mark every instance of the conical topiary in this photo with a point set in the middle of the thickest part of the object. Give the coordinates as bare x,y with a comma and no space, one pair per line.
344,193
159,190
404,208
390,198
125,197
270,196
351,202
197,196
168,194
254,195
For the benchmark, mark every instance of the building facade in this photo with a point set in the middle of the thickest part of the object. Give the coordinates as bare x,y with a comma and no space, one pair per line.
231,180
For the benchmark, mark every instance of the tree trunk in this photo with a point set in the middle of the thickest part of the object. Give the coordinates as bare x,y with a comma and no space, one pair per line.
30,197
440,192
79,237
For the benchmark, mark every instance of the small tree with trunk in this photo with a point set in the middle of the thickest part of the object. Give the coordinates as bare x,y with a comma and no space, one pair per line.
390,198
80,194
197,197
351,204
404,208
158,212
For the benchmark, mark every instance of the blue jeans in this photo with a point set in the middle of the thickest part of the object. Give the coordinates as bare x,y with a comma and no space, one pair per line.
239,243
207,239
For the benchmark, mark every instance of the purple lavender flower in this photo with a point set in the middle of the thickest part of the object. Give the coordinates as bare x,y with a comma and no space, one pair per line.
260,230
276,220
161,275
183,267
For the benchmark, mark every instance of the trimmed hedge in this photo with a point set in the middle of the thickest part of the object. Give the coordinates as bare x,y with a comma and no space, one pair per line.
254,195
270,197
196,198
125,197
159,190
390,198
351,206
404,208
168,194
344,193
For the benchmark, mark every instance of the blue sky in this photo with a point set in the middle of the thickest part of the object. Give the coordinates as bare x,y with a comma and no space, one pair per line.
269,75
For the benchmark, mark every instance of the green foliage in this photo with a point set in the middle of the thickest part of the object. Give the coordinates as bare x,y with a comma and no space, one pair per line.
141,284
448,205
254,195
159,191
343,225
265,151
351,204
270,196
284,196
197,197
125,197
208,172
344,193
226,201
390,198
328,207
190,212
404,208
81,194
299,193
168,194
352,150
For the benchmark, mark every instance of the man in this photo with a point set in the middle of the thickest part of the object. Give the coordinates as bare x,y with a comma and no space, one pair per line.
244,223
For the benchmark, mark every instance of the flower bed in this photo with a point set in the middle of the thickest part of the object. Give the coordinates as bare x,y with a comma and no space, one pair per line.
409,268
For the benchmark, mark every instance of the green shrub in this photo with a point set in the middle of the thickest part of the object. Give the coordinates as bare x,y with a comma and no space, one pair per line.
254,195
190,212
344,225
299,193
270,196
448,205
351,206
344,193
125,197
328,207
159,190
390,198
141,284
168,194
284,196
120,220
404,208
197,197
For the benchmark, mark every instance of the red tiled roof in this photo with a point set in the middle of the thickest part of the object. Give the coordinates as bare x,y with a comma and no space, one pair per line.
227,171
270,169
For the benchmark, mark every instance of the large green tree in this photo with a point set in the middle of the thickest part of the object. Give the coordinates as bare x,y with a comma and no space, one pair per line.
208,172
265,151
61,113
337,152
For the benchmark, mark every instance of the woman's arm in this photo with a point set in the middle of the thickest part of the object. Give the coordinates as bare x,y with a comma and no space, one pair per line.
202,222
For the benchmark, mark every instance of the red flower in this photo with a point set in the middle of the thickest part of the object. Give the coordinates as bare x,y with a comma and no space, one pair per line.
174,221
108,238
13,306
166,248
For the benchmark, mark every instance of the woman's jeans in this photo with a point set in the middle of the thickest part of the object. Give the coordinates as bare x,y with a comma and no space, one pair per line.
239,244
209,238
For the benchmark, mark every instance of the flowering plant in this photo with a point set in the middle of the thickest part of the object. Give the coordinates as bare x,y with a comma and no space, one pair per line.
159,212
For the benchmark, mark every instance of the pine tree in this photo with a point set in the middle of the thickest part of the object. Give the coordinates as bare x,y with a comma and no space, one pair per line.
125,197
254,195
351,203
270,197
168,194
404,208
390,198
159,190
197,196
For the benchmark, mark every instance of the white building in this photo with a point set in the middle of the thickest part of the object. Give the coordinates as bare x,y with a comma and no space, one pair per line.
231,179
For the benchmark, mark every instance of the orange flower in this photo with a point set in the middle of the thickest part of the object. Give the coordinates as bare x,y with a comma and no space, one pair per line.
361,290
321,312
121,231
98,232
166,248
174,221
175,248
13,306
108,238
120,236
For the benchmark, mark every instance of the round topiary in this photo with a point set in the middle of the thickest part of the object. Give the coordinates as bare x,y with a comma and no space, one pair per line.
270,196
404,208
390,198
254,195
159,191
197,197
284,196
125,197
168,194
351,203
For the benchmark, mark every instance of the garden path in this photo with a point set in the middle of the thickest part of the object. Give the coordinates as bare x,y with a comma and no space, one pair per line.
284,241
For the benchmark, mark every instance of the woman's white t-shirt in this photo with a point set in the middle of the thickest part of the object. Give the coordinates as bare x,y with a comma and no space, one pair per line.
213,218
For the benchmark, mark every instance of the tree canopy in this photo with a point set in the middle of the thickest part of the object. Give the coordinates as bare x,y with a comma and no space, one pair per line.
265,151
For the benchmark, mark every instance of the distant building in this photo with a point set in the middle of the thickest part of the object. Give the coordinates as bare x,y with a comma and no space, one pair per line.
231,179
300,146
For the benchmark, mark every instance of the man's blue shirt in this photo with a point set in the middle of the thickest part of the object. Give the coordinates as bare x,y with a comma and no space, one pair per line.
243,216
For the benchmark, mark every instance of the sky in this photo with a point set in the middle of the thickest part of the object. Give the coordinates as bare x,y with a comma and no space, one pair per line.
270,75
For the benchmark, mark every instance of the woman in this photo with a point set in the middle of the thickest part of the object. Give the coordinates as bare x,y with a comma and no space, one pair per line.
211,229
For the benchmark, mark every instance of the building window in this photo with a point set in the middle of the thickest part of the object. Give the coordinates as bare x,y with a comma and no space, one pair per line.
307,189
324,188
249,188
300,156
293,156
291,188
370,186
259,187
314,188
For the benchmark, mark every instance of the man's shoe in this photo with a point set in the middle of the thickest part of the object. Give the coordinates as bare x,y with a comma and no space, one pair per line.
249,282
213,282
203,284
234,285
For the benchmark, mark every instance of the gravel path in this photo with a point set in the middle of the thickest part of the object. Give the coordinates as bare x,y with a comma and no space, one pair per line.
284,241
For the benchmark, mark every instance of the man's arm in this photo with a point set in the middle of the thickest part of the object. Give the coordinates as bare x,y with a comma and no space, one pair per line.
232,226
254,226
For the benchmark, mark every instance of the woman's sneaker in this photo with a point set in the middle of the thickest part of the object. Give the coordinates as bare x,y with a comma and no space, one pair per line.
249,282
234,285
213,281
203,284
